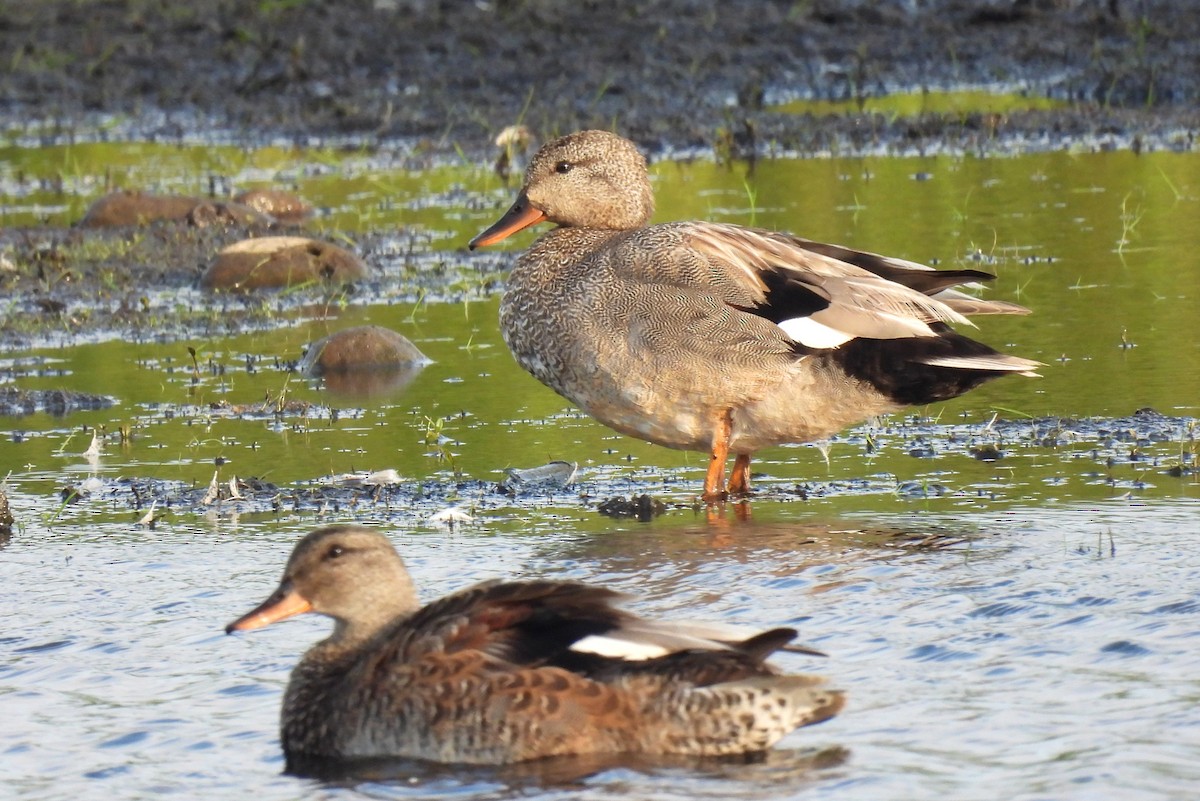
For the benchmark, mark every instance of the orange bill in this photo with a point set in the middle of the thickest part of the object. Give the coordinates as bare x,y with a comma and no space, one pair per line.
283,603
522,215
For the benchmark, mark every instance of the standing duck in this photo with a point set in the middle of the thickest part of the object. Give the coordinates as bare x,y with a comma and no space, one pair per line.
719,338
503,672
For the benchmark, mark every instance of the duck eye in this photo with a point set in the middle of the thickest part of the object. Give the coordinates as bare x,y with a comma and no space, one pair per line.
563,167
334,552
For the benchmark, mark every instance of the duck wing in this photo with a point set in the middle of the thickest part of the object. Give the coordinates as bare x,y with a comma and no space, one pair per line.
536,623
821,295
489,675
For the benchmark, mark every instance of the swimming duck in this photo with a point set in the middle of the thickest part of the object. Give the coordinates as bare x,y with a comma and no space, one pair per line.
503,672
720,338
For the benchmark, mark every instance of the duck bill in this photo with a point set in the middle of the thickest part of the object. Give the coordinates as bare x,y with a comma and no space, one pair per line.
522,215
285,602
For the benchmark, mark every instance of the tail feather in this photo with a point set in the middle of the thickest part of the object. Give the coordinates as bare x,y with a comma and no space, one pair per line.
966,304
995,362
921,370
747,715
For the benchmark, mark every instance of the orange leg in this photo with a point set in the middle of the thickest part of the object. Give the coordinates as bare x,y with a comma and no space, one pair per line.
714,480
739,477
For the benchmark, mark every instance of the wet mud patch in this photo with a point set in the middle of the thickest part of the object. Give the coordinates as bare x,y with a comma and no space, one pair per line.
76,286
1122,457
16,402
679,73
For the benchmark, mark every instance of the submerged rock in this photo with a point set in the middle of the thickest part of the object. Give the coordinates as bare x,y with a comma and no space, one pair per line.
365,361
281,261
364,347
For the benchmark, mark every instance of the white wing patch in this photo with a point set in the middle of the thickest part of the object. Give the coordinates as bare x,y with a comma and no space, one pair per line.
641,639
810,333
616,648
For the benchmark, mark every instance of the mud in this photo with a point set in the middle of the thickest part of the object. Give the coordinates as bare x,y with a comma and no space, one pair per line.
16,402
1160,447
91,285
672,73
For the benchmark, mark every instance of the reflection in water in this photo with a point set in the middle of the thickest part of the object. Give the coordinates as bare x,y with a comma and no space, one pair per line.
377,383
788,767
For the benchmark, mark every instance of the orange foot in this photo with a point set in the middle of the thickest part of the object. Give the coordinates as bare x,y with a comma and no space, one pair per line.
739,478
714,479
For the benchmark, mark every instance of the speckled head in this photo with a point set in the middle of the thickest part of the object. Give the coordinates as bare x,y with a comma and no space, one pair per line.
588,179
349,573
591,179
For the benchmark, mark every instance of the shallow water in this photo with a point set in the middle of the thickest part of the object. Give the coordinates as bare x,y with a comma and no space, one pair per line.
1051,652
1018,628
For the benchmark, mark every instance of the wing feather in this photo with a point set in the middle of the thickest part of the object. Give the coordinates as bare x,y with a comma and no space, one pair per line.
774,275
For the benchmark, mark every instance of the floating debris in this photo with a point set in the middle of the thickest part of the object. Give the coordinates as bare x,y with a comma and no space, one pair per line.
214,490
451,517
642,507
96,448
81,491
380,478
923,489
283,206
6,517
987,453
550,476
16,402
150,519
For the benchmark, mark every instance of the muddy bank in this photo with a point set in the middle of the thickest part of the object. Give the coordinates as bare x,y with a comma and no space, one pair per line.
678,73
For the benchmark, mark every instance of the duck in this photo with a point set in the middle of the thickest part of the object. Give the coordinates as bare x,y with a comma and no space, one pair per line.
721,338
503,672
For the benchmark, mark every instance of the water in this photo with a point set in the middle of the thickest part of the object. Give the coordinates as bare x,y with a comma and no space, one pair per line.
1052,652
1020,628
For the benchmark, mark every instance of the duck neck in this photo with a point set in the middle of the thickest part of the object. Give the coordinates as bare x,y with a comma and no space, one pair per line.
577,243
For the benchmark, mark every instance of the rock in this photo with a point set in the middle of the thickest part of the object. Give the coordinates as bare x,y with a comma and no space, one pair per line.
137,208
279,261
128,208
283,206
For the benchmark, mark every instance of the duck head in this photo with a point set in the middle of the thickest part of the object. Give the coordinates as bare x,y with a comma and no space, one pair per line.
349,573
588,179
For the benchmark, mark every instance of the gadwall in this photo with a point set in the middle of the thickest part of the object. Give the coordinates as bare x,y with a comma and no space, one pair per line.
503,672
719,338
